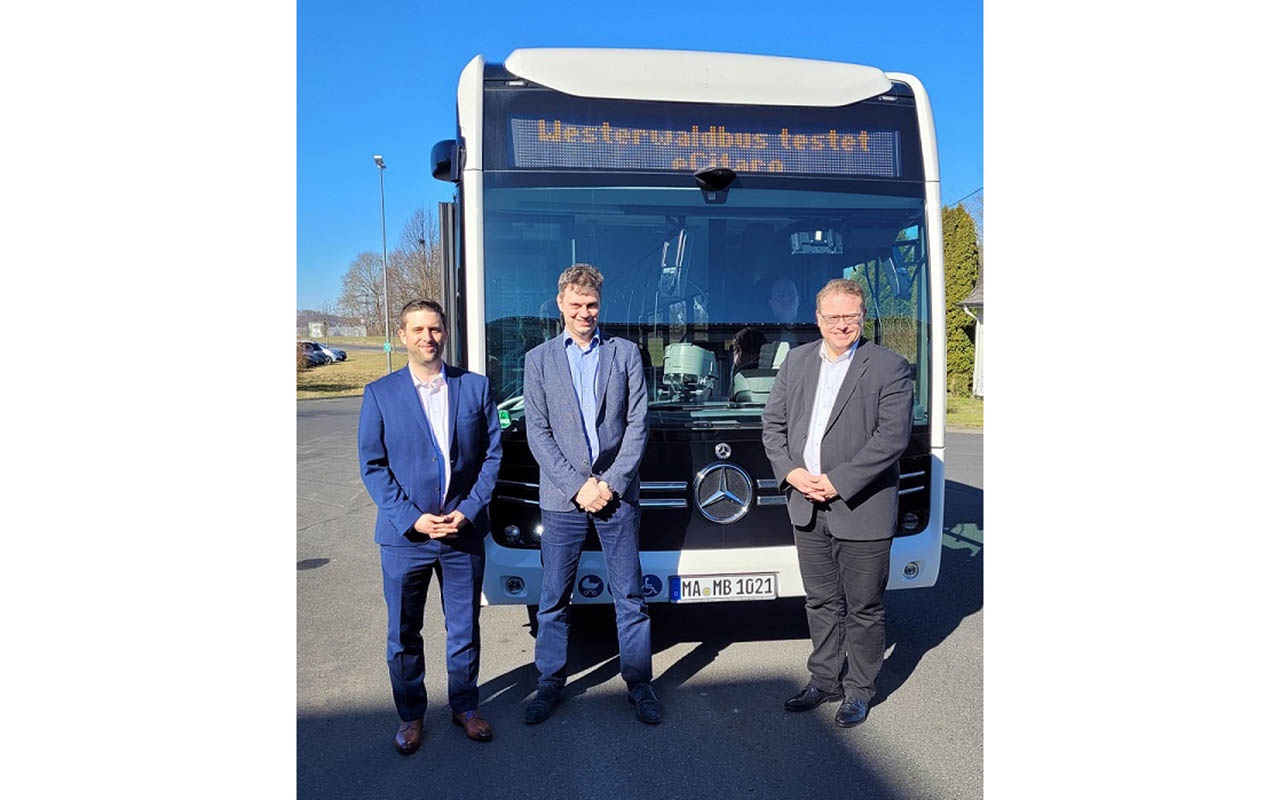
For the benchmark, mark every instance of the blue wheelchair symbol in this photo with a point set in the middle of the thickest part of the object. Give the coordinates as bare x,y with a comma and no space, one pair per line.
651,587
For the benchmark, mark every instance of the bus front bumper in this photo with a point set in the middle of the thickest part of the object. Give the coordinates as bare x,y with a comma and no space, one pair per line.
514,576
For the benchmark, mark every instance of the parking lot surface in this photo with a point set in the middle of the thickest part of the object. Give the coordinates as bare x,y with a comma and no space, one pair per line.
721,669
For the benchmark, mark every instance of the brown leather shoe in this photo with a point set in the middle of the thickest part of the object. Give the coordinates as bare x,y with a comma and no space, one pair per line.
478,729
408,737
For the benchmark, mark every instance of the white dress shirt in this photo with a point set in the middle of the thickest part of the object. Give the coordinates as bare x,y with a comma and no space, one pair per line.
830,377
434,395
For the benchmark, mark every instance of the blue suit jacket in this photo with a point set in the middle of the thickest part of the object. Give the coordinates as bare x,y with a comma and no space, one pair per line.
400,460
554,423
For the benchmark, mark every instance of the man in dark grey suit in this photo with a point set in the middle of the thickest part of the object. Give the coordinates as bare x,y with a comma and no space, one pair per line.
836,423
586,412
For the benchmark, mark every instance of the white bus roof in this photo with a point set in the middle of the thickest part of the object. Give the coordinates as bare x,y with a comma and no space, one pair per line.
697,77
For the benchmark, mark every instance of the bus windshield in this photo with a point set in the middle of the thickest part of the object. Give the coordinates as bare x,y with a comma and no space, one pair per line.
715,293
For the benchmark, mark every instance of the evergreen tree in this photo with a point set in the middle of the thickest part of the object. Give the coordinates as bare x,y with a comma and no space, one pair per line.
960,254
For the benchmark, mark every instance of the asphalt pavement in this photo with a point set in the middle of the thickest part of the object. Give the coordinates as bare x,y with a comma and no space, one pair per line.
722,671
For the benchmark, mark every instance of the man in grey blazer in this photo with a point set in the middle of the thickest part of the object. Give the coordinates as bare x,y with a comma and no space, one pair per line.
836,423
586,412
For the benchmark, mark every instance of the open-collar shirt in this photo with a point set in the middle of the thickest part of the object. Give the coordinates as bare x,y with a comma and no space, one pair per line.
583,366
830,376
434,394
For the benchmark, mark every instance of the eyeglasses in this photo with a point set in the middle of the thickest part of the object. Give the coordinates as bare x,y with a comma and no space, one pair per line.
841,319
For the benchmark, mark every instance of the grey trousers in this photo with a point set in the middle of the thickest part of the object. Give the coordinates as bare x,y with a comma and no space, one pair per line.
844,584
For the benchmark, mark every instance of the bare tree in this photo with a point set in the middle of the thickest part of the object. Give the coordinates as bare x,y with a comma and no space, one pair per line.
414,269
417,260
362,291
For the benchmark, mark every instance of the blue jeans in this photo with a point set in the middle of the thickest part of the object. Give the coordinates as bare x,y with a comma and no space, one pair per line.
406,574
563,533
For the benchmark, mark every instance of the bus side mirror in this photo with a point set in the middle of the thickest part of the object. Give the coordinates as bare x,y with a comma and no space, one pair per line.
445,161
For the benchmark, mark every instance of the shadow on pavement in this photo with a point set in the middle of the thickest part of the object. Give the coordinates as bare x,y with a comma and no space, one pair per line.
722,739
593,643
919,620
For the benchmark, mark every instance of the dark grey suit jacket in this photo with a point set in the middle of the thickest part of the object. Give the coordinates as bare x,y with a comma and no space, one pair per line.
867,433
554,423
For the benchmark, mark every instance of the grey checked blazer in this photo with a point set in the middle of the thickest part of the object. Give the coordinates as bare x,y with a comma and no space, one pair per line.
554,425
867,433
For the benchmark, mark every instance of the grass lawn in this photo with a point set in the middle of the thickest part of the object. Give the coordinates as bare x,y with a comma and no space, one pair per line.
964,412
344,378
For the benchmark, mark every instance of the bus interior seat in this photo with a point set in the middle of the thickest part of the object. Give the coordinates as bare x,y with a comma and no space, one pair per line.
773,353
753,385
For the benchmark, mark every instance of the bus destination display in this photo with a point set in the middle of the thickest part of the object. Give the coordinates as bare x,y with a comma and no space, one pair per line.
549,143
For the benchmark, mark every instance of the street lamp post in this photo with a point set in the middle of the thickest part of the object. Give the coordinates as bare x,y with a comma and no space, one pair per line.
386,306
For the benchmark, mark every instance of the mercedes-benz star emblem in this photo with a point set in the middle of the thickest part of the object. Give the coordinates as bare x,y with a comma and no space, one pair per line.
723,450
722,493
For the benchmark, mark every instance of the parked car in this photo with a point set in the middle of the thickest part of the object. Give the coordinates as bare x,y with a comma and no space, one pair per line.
315,354
334,353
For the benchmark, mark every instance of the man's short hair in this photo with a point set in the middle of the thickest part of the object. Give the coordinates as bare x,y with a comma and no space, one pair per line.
843,286
749,342
423,305
583,277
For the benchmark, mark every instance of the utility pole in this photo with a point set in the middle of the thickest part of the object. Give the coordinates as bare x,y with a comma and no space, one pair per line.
386,303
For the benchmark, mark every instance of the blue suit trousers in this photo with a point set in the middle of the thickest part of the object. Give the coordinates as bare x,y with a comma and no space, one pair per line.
406,574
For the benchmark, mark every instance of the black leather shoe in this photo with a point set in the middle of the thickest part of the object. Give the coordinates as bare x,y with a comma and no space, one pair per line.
645,699
851,713
810,698
539,708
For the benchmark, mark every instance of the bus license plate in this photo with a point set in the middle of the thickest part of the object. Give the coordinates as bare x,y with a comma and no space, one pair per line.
713,588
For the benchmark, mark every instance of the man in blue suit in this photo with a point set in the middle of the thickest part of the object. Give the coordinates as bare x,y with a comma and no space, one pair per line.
429,451
586,412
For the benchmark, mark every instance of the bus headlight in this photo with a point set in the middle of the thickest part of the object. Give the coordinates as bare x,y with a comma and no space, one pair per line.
511,534
910,522
911,570
514,585
535,535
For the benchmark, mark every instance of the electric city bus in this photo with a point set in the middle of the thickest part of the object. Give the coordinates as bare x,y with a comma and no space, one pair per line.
716,193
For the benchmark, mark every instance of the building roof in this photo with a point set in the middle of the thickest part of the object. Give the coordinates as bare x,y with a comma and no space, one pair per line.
975,297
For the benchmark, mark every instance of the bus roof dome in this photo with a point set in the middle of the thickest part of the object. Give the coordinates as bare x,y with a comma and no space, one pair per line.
697,77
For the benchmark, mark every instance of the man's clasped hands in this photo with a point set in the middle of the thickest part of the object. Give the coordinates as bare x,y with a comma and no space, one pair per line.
817,488
594,495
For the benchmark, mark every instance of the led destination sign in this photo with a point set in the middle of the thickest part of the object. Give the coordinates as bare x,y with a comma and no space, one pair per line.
552,142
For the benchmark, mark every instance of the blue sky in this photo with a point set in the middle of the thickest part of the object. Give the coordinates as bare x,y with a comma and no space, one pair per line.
382,78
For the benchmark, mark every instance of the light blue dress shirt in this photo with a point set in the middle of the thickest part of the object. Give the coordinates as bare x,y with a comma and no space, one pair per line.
583,366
